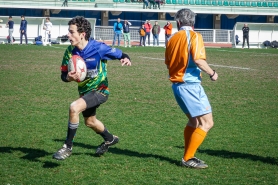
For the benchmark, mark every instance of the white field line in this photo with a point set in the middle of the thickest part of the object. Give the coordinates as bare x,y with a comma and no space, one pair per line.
258,54
232,67
58,47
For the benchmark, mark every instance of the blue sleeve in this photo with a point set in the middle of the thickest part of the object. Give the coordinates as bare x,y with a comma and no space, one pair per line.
114,27
108,53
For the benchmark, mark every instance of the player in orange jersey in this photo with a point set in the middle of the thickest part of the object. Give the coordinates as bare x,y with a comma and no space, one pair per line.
185,57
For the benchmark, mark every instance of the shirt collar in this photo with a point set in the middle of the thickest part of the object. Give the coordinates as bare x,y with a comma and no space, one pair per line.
186,28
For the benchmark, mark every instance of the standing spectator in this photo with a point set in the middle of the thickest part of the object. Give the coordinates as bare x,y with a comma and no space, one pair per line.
23,29
93,90
152,4
47,27
145,4
126,33
168,32
185,58
65,3
118,28
158,3
10,25
142,33
155,32
148,27
245,30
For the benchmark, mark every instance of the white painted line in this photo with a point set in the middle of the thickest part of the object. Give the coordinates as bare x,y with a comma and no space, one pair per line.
232,67
58,47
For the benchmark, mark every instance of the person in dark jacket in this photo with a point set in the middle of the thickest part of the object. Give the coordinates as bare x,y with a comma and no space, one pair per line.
10,25
245,30
23,29
126,33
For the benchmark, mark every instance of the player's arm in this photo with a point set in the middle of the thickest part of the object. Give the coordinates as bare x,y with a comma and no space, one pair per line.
109,53
64,66
199,55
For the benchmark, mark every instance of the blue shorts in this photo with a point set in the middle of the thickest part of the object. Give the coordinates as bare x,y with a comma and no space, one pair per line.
191,98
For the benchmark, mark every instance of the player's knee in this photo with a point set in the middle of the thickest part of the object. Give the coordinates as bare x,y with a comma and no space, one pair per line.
209,124
73,108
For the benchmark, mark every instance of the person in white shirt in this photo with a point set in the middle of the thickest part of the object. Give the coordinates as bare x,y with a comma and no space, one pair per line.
47,27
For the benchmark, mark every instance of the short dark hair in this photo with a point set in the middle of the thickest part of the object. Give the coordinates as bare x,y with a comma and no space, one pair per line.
23,16
10,17
47,18
82,24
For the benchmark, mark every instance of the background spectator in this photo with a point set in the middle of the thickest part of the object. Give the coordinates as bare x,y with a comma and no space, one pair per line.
126,33
23,29
155,32
148,27
245,30
158,3
145,4
65,3
10,25
168,32
142,32
118,27
47,27
152,4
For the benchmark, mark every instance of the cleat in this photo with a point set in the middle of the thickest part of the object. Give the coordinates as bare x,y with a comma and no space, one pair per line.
62,153
103,147
201,161
194,163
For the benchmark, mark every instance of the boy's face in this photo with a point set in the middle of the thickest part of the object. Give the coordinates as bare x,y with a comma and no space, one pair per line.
75,37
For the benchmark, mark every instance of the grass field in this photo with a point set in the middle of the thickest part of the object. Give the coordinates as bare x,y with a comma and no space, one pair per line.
141,110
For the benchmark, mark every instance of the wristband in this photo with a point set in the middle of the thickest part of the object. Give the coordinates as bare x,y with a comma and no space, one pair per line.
212,74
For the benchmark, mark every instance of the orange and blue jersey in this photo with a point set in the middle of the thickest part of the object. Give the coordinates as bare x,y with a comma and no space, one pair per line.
183,48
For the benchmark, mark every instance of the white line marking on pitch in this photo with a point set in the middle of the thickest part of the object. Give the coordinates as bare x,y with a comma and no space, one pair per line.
232,67
58,47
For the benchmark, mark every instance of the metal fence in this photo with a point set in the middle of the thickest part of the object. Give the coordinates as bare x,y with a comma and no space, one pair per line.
209,35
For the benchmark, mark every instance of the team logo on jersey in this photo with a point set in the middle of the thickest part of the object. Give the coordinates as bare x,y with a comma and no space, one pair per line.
113,50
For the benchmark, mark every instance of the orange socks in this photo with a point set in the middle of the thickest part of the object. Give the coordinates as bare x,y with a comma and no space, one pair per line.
193,138
188,131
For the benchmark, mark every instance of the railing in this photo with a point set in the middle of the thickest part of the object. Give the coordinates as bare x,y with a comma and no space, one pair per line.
209,35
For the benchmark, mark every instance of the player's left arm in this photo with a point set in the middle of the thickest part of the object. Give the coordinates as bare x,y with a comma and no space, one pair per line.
199,56
109,53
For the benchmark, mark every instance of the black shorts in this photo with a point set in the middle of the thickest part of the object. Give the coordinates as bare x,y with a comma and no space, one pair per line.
93,100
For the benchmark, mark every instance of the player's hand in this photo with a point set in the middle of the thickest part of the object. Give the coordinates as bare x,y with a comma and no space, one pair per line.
125,61
214,77
72,76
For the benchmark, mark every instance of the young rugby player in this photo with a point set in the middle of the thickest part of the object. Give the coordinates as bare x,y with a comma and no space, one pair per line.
93,90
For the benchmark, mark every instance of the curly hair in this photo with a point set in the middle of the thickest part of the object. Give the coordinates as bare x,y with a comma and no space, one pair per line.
82,24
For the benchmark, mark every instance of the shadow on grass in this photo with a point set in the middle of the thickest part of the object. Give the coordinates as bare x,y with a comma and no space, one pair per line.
31,154
228,154
126,152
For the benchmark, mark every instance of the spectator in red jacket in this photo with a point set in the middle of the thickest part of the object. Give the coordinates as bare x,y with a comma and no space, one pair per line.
148,27
168,32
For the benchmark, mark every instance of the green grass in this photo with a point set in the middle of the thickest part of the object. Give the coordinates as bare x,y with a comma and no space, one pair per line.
141,110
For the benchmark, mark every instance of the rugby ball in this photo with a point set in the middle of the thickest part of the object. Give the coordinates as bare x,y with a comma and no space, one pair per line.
78,65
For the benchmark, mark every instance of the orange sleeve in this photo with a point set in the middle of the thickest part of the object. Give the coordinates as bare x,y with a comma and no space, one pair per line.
197,46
